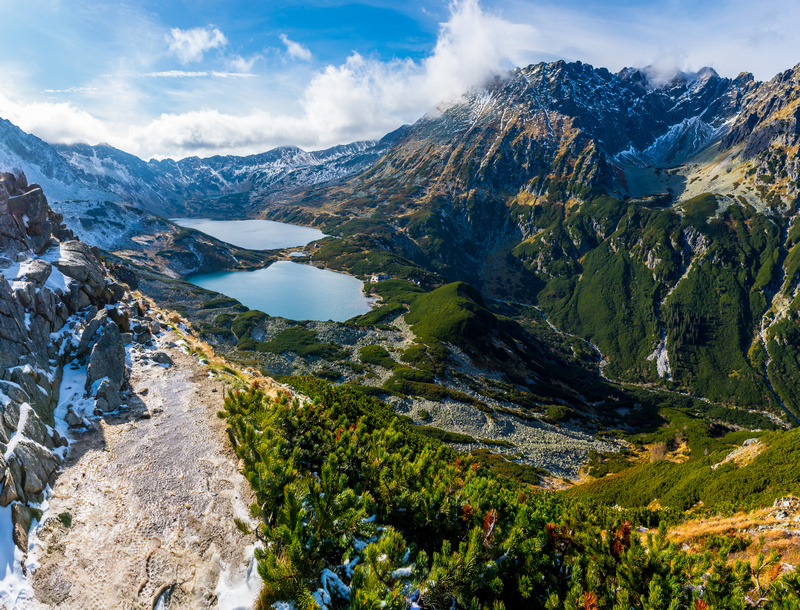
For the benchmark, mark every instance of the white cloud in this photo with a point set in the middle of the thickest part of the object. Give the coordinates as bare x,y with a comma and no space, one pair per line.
179,113
295,49
729,35
239,64
363,98
191,45
55,122
71,90
182,74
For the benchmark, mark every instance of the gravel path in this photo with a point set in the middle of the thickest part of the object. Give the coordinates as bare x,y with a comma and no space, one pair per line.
152,494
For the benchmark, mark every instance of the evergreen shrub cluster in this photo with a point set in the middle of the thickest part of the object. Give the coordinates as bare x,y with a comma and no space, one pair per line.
358,511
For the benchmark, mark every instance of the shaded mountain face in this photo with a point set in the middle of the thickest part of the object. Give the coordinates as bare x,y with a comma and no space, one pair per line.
657,220
42,165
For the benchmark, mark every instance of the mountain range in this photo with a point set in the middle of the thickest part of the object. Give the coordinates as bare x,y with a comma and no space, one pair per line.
165,187
656,219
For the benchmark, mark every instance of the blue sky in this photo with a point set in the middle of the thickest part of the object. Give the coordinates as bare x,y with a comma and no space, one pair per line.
178,78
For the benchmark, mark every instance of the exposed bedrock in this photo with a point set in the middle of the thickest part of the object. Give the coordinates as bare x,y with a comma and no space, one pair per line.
56,303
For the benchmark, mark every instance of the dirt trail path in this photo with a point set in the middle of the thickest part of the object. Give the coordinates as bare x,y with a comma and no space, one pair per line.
152,502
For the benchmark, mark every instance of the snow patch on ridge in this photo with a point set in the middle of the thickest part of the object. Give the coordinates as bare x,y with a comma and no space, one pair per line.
680,142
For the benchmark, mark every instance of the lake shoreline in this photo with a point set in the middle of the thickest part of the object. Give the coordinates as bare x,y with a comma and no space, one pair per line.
282,288
254,234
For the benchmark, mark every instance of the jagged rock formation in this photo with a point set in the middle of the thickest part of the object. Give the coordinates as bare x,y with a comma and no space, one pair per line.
50,285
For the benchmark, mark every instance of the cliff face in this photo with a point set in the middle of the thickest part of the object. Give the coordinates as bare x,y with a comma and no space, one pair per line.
56,303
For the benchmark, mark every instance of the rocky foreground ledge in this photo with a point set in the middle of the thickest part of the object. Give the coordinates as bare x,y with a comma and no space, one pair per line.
49,284
83,453
55,299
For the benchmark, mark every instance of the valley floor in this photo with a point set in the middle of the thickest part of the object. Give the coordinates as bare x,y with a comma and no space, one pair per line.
152,494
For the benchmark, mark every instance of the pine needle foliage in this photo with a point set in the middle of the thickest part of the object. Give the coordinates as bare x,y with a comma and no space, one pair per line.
358,511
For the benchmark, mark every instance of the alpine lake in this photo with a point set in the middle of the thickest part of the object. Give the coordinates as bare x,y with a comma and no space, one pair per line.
284,289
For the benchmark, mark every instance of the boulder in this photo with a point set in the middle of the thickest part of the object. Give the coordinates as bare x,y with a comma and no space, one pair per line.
107,396
21,519
13,334
12,482
11,416
121,318
58,440
107,359
90,332
161,358
77,298
38,464
47,306
143,338
36,271
113,292
31,210
24,293
73,419
37,431
76,260
128,276
42,402
8,181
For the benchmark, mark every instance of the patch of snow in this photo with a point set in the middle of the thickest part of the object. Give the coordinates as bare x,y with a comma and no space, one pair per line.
96,386
71,393
239,595
680,142
322,597
24,412
332,583
403,572
15,588
348,567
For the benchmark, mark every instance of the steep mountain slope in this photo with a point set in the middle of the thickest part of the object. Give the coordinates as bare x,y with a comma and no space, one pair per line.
656,221
41,163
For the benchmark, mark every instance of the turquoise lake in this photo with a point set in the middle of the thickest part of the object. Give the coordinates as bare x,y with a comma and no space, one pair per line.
286,289
253,234
291,290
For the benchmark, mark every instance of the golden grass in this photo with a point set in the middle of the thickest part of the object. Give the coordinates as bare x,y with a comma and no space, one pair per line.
786,542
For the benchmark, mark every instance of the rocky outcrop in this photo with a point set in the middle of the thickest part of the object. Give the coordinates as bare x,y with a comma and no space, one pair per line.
105,376
26,221
54,300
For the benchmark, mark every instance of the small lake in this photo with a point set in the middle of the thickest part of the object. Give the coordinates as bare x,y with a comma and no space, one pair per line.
291,290
254,234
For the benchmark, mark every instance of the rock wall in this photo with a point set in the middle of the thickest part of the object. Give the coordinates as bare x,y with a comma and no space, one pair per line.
56,303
